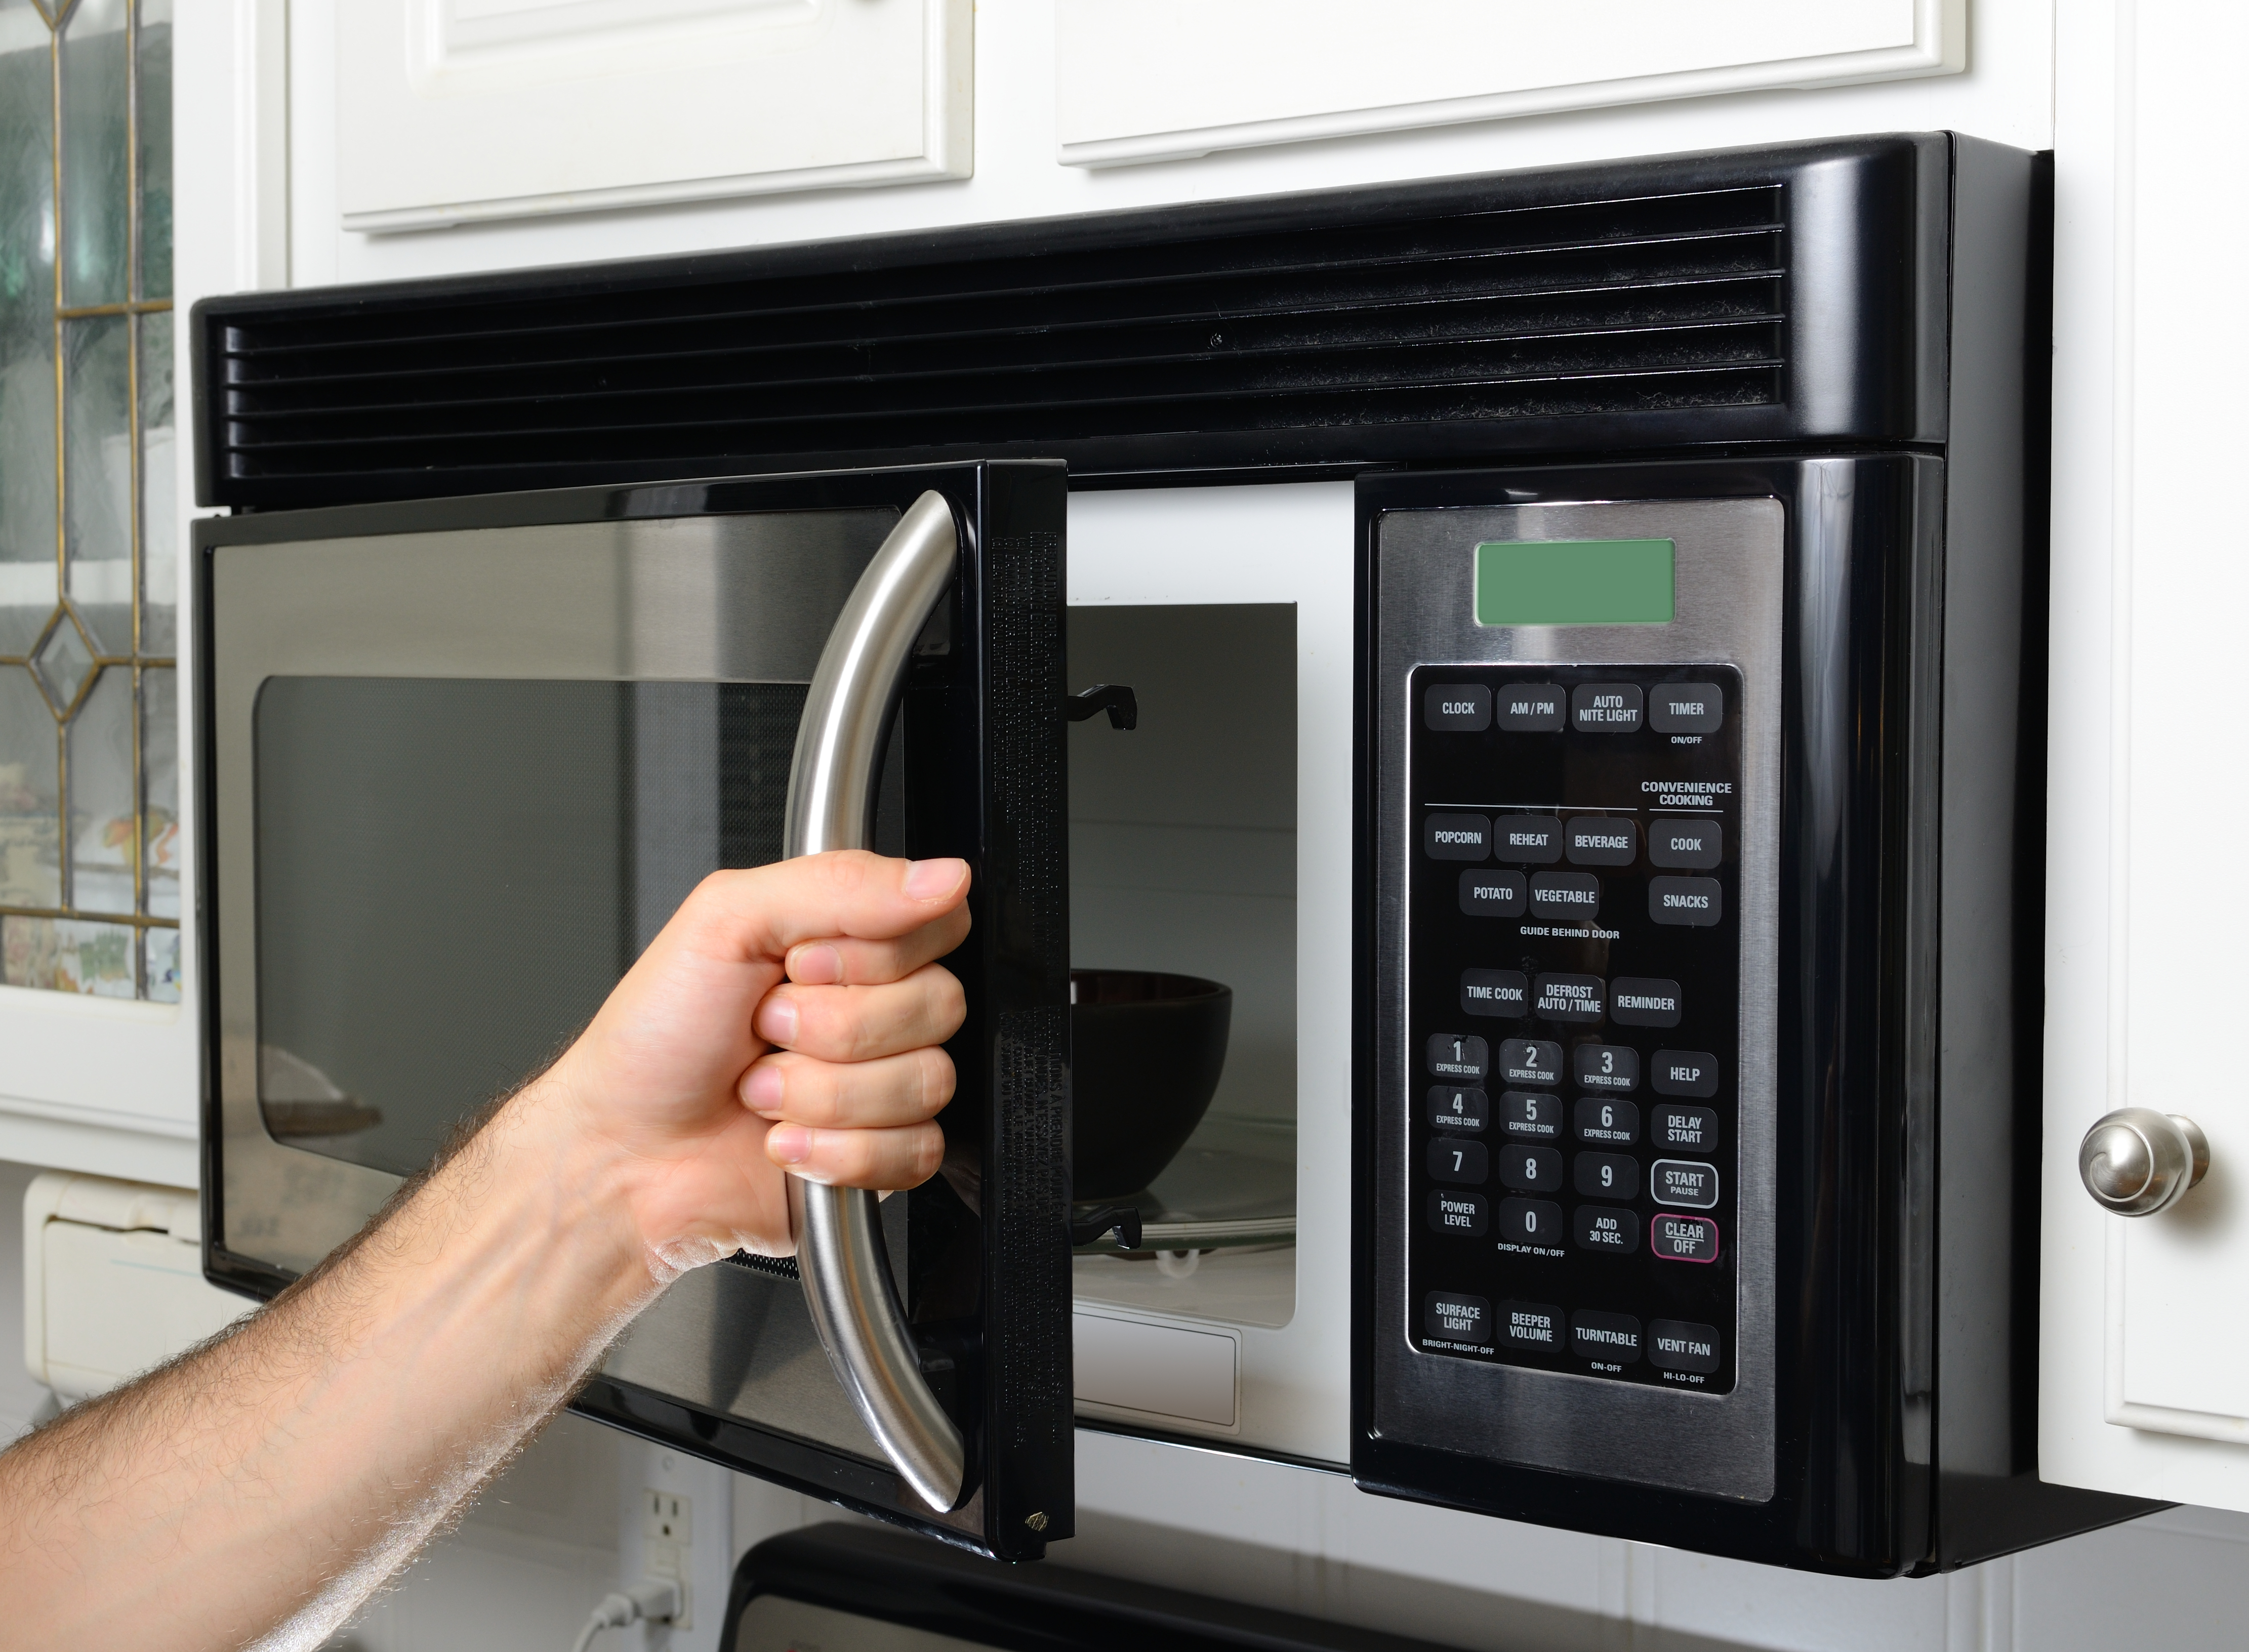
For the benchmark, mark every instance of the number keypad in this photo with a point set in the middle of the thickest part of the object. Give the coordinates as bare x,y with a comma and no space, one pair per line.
1592,938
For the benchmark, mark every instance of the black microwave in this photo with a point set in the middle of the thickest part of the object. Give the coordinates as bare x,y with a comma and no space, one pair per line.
1697,728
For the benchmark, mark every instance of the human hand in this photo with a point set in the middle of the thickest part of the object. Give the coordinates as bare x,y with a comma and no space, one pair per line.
787,1016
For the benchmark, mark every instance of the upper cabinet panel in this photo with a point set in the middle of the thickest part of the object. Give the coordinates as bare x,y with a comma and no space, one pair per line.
454,111
1167,80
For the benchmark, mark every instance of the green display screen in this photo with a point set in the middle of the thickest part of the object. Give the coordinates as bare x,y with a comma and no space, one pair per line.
1574,581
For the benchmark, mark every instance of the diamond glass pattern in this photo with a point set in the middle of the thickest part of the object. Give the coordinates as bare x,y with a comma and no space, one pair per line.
62,665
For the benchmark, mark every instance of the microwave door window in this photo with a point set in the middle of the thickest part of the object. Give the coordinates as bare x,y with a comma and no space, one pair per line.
452,874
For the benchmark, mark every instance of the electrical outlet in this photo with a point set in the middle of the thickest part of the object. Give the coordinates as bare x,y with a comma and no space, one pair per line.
676,1521
667,1542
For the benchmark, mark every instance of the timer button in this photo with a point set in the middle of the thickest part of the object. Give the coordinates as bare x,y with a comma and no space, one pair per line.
1685,708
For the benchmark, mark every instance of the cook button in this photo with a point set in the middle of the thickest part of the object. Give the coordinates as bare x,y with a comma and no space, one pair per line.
1457,838
1605,708
1491,894
1494,992
1684,1129
1685,708
1531,1221
1530,840
1454,1316
1457,708
1530,1325
1697,845
1608,1122
1530,708
1673,1345
1452,1210
1530,1116
1697,901
1683,1072
1459,1160
1677,1181
1529,1061
1611,1067
1459,1056
1454,1111
1683,1238
1599,840
1644,1001
1566,895
1612,1338
1531,1169
1605,1175
1606,1228
1573,998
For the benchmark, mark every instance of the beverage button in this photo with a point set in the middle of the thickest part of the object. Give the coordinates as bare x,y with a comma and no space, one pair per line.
1570,998
1675,1345
1688,844
1612,1338
1684,1129
1683,1238
1456,836
1530,1116
1456,1318
1495,992
1531,1221
1682,1073
1460,1160
1608,1175
1491,894
1463,1056
1681,1181
1463,708
1529,840
1452,1210
1530,708
1698,902
1685,708
1529,1061
1528,1169
1605,708
1644,1001
1606,1228
1529,1325
1606,1122
1610,1067
1600,840
1566,895
1454,1111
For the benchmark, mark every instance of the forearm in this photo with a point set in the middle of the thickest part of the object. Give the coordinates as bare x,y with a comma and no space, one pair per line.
282,1473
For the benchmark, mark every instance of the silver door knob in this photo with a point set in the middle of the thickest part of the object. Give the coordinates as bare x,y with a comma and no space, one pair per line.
2137,1161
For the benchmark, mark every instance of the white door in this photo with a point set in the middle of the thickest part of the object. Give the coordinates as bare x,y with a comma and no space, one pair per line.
2144,1364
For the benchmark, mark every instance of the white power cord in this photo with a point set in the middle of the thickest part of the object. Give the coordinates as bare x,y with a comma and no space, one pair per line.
655,1599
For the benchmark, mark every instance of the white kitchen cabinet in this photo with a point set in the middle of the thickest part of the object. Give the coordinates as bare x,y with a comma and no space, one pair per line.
456,110
2145,1358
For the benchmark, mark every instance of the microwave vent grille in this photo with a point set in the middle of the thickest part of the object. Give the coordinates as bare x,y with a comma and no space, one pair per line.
1118,343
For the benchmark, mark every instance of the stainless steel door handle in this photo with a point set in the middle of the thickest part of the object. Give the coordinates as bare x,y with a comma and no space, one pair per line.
831,805
2137,1161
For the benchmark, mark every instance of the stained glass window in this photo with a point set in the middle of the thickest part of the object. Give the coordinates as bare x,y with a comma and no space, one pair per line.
89,587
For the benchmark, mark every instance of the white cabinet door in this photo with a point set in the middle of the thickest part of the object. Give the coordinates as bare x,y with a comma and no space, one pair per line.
453,111
2145,1325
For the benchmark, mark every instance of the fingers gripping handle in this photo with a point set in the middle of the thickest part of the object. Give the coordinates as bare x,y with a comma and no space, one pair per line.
831,805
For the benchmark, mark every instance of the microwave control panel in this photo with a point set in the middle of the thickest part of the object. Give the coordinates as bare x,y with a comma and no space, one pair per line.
1573,1003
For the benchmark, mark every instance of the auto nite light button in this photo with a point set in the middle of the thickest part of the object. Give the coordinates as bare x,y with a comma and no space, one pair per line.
1683,1238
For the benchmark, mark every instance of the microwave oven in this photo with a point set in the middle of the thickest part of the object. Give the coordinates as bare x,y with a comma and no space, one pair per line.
1585,630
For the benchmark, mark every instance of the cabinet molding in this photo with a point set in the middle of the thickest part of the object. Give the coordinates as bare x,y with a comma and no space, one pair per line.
1172,79
460,111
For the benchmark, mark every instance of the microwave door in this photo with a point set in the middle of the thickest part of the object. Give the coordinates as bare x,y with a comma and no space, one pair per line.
464,757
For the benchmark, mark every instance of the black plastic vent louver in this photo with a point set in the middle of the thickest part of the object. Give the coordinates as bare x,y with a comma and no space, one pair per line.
1461,320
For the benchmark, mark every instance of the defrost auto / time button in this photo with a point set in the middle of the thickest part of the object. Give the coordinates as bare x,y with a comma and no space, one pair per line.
1568,998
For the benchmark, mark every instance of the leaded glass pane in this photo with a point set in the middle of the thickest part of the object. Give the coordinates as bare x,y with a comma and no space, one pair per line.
155,174
160,487
100,749
27,330
31,866
63,954
94,147
160,765
62,665
98,475
161,979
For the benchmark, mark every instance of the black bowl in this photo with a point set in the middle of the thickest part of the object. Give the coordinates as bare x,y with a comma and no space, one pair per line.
1147,1050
